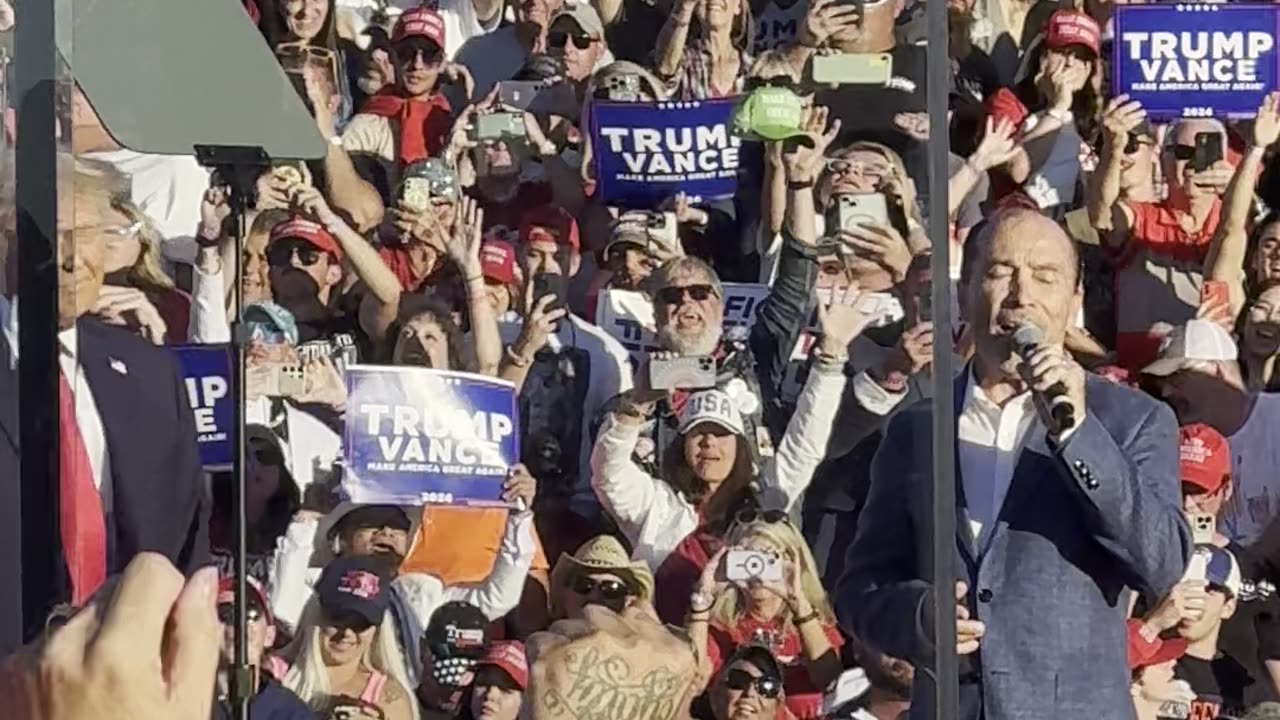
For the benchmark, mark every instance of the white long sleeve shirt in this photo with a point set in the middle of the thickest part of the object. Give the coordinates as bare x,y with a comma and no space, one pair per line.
208,309
292,577
655,518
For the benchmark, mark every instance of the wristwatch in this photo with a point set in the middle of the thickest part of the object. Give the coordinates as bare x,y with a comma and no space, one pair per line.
700,602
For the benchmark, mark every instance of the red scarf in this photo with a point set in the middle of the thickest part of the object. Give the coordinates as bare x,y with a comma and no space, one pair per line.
424,124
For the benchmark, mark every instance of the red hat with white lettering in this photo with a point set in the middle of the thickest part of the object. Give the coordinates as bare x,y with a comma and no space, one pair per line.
510,658
549,224
419,22
1070,27
302,229
1204,458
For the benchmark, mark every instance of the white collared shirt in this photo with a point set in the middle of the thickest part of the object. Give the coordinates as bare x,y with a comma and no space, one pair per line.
990,440
87,417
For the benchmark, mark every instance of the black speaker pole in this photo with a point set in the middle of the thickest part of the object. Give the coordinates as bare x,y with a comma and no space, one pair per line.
238,166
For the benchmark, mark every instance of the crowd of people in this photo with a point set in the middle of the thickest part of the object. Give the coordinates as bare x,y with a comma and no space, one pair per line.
751,545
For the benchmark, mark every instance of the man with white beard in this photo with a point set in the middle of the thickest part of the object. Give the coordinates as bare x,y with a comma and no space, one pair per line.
688,309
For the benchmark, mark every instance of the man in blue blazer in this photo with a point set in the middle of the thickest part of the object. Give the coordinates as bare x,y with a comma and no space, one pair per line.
131,408
1053,528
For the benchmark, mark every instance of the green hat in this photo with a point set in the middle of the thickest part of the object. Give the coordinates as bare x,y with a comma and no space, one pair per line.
770,113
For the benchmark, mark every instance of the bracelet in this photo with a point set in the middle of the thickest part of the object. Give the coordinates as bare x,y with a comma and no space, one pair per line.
825,358
518,360
813,615
475,278
799,184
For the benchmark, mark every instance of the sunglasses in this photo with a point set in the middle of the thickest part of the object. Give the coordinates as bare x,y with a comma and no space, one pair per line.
406,50
227,613
347,621
558,40
751,515
1183,152
1136,141
280,254
607,589
675,294
767,687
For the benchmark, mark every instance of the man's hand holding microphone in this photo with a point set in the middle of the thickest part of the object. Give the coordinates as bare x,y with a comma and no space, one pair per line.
1054,379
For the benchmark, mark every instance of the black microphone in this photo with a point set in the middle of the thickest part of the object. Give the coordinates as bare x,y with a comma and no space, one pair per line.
1026,339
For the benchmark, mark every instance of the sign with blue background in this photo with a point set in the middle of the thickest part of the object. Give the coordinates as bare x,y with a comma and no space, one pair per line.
416,435
206,375
1196,60
647,152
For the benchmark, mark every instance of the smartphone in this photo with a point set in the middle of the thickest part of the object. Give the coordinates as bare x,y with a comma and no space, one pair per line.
1202,527
283,380
545,284
1208,150
519,94
924,303
1198,566
692,372
746,565
883,308
498,126
846,211
853,69
415,194
1214,293
661,227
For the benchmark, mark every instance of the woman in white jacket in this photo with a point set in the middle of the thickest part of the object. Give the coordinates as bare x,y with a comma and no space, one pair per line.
676,523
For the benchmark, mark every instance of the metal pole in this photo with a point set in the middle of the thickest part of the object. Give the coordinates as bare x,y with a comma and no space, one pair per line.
36,198
946,671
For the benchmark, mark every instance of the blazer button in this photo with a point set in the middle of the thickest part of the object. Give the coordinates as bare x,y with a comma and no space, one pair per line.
985,595
1078,465
1091,483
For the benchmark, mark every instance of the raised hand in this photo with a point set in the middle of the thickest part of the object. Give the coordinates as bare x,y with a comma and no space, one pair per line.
803,163
119,305
1266,126
465,239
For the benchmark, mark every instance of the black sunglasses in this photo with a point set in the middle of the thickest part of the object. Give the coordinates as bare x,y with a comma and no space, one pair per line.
1183,152
227,613
608,589
406,50
347,621
559,39
1135,141
750,515
766,687
674,294
280,254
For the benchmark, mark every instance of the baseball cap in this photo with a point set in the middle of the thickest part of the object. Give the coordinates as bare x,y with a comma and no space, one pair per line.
1204,457
419,22
354,585
456,634
759,656
255,595
770,113
546,223
498,261
508,656
1070,27
358,517
584,15
713,406
1223,570
1165,650
1196,340
271,323
631,228
314,233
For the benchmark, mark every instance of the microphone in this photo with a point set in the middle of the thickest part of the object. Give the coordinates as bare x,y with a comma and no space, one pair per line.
1026,339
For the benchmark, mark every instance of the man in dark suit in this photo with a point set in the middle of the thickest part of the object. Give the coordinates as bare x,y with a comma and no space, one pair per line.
130,470
1053,527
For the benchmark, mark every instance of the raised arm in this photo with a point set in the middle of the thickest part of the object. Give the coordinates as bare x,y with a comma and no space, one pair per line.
1111,217
464,250
995,149
500,592
374,273
351,194
1226,258
671,41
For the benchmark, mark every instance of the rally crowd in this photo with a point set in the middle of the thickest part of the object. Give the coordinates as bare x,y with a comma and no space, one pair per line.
450,226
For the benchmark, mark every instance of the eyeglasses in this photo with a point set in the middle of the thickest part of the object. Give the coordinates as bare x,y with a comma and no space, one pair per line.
767,687
558,40
1182,152
116,232
280,254
840,166
675,294
609,589
227,614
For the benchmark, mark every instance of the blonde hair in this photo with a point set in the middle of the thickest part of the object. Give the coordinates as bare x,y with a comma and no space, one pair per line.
147,272
308,677
783,537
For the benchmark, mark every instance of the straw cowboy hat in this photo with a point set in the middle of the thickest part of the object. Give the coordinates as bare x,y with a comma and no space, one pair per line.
601,554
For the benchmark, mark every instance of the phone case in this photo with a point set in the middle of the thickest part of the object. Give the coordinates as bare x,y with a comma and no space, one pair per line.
416,193
682,373
853,69
742,565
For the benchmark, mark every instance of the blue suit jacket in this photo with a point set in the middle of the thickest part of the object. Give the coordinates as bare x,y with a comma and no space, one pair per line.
1079,526
157,482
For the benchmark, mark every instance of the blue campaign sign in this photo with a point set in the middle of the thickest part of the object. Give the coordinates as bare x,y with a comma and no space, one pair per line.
206,374
416,435
647,152
1197,60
